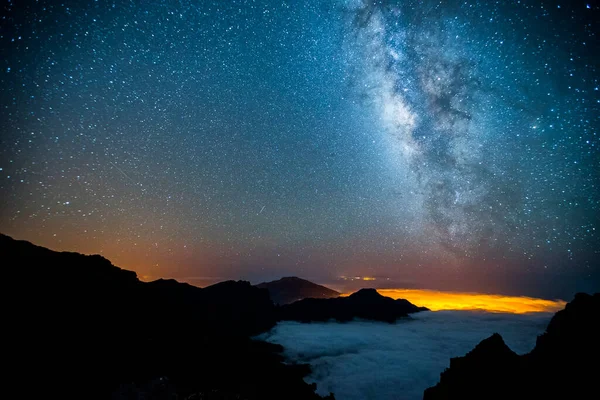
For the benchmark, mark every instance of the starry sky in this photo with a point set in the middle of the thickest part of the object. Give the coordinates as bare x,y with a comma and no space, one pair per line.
448,145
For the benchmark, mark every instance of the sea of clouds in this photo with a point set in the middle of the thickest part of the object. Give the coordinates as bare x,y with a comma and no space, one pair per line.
379,361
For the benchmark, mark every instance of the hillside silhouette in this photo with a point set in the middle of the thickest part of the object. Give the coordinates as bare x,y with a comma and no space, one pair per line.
364,304
563,364
79,327
290,289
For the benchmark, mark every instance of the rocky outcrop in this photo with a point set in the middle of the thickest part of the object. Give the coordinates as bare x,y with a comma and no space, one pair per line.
563,365
485,369
364,304
290,289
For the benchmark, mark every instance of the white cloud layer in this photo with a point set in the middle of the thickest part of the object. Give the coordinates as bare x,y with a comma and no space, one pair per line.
379,361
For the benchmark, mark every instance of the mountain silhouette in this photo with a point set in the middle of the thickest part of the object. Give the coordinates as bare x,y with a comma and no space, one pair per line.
77,326
364,304
563,364
290,289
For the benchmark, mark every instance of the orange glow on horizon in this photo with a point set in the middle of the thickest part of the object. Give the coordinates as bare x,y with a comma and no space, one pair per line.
438,300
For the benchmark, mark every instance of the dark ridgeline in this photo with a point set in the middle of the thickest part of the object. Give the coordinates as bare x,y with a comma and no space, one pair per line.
76,326
565,363
364,304
290,289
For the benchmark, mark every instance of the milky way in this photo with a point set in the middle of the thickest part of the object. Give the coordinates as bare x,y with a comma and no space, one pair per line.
450,145
471,122
425,81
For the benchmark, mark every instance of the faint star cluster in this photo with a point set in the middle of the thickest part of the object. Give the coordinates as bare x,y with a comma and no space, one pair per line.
449,144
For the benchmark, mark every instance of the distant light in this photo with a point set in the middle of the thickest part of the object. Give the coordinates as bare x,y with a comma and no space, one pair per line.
358,278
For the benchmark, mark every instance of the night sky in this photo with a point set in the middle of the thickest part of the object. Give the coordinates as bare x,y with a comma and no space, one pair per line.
432,144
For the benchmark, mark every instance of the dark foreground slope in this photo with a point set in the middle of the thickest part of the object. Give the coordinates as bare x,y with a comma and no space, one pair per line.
365,304
76,326
290,289
565,363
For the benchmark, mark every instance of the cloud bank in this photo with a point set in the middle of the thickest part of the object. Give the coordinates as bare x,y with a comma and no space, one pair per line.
367,360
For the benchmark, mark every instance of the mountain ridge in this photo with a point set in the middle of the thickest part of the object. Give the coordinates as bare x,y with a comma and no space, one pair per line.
73,315
366,304
292,288
558,366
